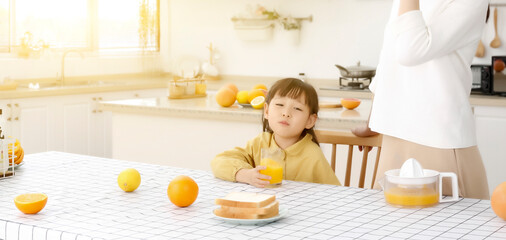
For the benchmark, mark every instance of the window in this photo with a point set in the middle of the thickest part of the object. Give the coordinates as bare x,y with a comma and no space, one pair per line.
101,25
136,25
60,23
4,25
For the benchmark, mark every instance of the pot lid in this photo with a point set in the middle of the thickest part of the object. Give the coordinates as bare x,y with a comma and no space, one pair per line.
359,68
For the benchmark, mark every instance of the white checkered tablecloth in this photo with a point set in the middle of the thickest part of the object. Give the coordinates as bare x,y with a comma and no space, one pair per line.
85,202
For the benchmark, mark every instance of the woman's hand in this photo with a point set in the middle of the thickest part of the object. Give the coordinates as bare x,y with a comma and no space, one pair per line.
253,177
363,131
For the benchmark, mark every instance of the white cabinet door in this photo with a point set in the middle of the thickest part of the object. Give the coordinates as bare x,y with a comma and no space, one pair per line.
31,121
100,138
75,117
491,136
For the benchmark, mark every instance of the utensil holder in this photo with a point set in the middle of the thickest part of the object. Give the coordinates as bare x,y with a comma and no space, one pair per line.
7,160
187,88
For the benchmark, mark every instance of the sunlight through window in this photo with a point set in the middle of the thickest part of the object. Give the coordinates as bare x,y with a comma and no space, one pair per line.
94,24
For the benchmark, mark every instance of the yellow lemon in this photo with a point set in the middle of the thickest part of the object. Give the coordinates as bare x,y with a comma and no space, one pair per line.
242,97
129,180
258,102
30,203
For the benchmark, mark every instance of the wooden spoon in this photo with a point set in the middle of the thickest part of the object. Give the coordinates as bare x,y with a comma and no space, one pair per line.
480,51
496,42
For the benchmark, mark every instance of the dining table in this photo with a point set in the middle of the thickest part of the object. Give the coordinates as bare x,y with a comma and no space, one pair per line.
85,202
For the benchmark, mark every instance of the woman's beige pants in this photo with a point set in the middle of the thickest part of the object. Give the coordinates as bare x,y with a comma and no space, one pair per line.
465,162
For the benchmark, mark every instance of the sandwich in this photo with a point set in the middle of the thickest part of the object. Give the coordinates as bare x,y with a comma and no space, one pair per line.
246,205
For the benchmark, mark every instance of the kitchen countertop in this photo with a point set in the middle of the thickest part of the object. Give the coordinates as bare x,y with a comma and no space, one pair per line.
85,202
206,107
83,85
325,87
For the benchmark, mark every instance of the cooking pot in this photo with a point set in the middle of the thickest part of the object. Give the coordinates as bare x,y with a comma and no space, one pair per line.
357,71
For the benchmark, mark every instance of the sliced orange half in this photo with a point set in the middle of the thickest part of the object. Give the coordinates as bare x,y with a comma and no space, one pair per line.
30,203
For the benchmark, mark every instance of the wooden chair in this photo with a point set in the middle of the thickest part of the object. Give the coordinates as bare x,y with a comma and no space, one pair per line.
347,138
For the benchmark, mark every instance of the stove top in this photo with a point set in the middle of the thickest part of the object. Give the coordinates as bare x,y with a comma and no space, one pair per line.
354,83
346,88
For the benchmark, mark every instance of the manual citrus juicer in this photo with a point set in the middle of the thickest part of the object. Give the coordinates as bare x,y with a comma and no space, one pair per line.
411,186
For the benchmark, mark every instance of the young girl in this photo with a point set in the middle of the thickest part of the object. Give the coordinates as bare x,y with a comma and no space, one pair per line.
290,113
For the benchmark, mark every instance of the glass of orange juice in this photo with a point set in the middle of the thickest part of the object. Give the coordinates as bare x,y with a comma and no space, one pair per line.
273,159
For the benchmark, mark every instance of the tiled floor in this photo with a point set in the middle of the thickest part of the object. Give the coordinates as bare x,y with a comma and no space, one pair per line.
86,203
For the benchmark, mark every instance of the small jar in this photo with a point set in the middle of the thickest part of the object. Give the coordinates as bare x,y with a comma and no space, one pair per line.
190,88
200,87
176,89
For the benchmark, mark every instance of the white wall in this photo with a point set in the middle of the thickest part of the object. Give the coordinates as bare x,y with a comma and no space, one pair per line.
489,33
342,32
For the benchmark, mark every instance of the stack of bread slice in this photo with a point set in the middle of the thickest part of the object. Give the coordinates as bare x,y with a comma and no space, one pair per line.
247,205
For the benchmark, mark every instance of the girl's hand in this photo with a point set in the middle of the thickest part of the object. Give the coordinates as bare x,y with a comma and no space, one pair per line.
253,177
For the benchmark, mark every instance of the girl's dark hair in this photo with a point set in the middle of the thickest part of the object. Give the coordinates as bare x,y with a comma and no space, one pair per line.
293,88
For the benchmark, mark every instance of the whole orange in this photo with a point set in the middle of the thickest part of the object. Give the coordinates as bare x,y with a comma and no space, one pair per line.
232,87
183,191
255,93
260,86
498,200
225,97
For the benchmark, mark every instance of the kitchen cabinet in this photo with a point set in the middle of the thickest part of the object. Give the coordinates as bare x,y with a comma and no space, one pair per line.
491,136
30,120
177,141
69,123
86,129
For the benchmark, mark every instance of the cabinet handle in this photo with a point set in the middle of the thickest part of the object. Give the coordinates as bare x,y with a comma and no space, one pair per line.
94,111
18,112
136,95
94,99
99,99
10,112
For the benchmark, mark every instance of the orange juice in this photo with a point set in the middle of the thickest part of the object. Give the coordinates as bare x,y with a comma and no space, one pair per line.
412,197
274,169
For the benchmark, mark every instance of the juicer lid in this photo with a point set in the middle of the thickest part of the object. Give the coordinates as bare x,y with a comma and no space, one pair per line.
411,168
411,173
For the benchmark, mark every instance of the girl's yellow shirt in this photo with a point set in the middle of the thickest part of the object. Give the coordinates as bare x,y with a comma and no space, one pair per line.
304,160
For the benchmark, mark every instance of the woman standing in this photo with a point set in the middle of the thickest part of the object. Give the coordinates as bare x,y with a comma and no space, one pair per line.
422,87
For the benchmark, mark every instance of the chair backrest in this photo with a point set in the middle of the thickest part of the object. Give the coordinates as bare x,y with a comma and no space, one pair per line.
347,138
